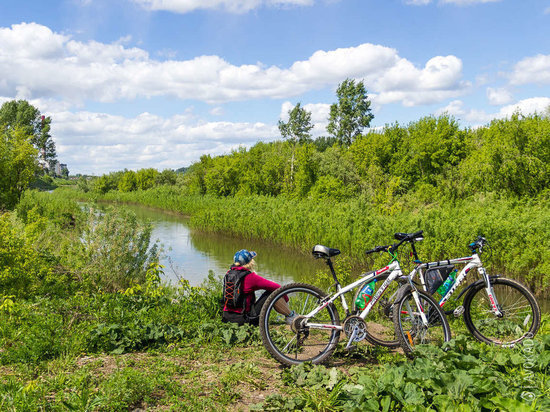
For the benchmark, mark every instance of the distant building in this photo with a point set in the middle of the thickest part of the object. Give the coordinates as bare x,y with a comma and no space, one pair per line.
59,169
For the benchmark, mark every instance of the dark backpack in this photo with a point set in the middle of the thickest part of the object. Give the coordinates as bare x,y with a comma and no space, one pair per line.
436,276
233,295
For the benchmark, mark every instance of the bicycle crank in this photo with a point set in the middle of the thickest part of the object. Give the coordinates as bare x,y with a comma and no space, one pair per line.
355,329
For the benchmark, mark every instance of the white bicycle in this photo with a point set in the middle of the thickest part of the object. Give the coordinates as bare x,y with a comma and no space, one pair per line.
496,310
314,334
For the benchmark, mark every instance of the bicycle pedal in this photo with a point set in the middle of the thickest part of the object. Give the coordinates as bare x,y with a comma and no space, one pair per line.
458,311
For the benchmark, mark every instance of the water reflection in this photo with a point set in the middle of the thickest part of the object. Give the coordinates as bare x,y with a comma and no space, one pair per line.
191,254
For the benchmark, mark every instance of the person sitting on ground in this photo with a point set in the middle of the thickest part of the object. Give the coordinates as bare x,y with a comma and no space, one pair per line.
239,285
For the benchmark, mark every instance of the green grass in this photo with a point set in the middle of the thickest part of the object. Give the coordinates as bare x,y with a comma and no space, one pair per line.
102,352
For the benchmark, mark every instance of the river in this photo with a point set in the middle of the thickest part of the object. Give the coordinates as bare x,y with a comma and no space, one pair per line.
191,254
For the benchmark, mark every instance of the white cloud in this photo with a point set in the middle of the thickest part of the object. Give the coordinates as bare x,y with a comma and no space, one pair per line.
231,6
418,2
478,117
98,143
216,111
547,10
498,97
534,69
440,79
526,106
36,63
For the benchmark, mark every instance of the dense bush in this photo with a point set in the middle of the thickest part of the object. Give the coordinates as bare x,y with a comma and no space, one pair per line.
24,270
467,376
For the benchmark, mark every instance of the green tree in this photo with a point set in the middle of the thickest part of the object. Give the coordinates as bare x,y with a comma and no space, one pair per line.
296,131
104,183
20,113
351,114
429,146
166,177
128,181
510,155
17,165
145,178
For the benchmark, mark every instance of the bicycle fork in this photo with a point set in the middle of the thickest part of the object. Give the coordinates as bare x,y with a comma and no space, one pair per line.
490,293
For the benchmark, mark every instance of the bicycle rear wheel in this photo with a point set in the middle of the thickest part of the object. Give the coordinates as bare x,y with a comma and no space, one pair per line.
296,343
379,321
409,327
520,310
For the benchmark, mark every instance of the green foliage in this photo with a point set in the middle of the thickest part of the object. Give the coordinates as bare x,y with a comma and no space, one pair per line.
24,271
61,210
351,114
112,251
146,178
104,184
83,184
128,181
511,156
465,376
166,177
297,129
17,165
20,114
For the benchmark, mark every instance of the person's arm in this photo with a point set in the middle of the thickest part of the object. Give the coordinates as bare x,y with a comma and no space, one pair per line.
254,282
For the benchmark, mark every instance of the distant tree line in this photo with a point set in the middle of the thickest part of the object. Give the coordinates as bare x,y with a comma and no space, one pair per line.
431,159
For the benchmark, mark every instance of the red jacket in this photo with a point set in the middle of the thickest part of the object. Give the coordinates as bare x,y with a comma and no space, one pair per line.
251,283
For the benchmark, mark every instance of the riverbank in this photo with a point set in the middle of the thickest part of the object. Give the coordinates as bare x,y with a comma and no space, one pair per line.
518,231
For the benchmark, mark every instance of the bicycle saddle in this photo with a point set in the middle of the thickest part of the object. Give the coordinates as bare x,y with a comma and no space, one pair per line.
320,251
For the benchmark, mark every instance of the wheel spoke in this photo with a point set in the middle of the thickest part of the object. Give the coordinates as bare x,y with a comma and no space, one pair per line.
520,313
296,343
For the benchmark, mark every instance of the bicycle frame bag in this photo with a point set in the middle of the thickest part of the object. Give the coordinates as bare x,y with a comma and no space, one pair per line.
233,295
435,277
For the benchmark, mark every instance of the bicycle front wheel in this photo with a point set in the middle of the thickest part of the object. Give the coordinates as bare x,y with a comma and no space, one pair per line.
297,342
520,313
409,326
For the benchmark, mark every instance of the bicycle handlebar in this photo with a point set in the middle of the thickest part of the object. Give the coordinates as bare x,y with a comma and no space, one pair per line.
402,237
478,244
378,249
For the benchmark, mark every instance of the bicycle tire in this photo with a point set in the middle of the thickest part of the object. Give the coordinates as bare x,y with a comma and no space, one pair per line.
295,344
519,306
379,321
409,328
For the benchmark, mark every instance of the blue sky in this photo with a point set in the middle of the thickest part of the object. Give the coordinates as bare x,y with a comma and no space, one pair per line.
158,83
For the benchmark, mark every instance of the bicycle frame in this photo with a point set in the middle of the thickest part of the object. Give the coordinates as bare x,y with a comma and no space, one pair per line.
394,270
472,262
